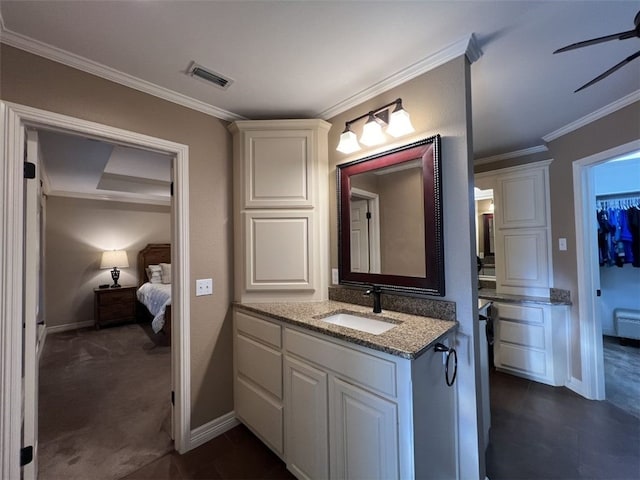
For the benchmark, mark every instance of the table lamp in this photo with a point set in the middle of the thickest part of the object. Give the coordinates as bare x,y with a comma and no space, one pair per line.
114,259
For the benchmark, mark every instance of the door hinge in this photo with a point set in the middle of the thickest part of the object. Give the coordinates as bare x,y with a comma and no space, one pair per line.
171,188
26,455
173,398
368,215
598,293
29,170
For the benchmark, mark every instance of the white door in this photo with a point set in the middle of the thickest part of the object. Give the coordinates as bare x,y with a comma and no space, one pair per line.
359,236
363,433
31,283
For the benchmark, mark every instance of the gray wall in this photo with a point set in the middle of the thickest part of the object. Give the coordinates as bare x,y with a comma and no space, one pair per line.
34,81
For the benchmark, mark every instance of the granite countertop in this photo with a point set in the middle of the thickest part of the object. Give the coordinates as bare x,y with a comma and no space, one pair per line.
409,339
491,294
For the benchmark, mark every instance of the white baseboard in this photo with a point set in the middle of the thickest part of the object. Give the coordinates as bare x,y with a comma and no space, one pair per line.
212,429
69,326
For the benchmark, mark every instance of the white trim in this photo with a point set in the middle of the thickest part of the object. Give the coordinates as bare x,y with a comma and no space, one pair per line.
13,120
69,326
588,271
467,46
212,429
517,168
374,234
11,237
64,57
124,198
592,117
514,154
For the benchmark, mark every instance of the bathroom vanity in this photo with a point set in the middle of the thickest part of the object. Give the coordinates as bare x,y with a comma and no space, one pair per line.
339,402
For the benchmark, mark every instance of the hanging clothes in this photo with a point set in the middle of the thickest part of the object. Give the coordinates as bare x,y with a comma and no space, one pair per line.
619,232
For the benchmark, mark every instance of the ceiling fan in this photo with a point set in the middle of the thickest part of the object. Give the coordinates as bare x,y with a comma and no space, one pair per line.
616,36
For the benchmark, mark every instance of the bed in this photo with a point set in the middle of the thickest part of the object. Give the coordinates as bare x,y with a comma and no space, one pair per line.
154,299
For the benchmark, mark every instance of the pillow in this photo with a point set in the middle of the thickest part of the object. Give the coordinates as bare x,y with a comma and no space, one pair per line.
165,272
154,273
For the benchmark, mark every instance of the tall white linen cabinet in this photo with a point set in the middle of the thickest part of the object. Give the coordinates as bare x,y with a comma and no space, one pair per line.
281,225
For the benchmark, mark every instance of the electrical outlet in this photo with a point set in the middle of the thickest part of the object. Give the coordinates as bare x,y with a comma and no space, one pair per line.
204,287
334,276
562,244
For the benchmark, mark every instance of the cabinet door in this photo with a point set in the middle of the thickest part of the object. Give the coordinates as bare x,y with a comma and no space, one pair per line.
363,433
521,199
278,168
306,436
279,251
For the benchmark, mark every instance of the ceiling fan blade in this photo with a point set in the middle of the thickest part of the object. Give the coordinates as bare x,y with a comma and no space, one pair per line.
610,71
593,41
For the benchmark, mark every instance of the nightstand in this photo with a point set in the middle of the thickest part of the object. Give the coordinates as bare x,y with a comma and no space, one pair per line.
114,305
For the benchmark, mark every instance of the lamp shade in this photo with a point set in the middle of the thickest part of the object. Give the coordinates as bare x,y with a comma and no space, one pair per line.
399,123
348,142
114,258
372,132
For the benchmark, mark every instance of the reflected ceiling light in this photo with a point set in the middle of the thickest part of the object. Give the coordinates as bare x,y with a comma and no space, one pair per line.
398,124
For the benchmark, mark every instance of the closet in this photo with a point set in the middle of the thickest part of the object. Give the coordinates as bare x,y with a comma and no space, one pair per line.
617,189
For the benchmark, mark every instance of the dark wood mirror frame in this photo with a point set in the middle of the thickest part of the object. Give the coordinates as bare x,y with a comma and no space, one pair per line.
428,151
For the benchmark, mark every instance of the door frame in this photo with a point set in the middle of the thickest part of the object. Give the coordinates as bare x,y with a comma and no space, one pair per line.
14,118
591,384
374,226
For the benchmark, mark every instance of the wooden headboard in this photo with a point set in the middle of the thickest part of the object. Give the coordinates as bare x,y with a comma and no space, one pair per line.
152,254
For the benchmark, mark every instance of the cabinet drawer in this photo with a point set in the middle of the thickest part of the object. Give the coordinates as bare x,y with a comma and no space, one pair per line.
522,358
116,311
110,297
521,313
373,372
522,334
260,364
261,413
266,332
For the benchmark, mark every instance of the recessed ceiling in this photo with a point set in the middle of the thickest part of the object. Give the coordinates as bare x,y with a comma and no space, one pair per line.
309,58
86,168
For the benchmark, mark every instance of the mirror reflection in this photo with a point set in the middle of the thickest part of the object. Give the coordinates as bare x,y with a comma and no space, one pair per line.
387,220
485,233
390,219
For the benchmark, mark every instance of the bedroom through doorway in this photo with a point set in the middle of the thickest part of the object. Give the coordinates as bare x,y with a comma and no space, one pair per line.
101,353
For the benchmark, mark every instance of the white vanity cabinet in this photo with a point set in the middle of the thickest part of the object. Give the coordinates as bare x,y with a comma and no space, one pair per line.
280,210
348,411
257,345
531,341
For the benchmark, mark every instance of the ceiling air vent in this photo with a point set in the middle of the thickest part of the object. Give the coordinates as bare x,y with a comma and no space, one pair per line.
209,76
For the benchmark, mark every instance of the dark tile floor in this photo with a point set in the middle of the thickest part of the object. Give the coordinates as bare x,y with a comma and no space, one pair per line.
543,432
237,454
538,432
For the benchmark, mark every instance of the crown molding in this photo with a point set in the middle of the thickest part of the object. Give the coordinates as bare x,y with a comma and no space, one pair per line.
508,155
592,117
59,55
467,46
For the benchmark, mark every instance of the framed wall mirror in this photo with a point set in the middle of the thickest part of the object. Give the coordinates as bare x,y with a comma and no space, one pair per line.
390,219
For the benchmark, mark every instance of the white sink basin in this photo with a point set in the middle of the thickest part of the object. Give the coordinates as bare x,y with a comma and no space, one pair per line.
364,324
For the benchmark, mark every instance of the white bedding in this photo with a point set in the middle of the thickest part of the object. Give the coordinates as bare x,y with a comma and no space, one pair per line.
156,297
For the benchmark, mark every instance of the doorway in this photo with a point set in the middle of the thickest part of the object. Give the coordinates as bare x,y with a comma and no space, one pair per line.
589,381
99,353
14,119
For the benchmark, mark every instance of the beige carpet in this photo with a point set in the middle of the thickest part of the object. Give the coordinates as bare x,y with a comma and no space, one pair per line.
104,406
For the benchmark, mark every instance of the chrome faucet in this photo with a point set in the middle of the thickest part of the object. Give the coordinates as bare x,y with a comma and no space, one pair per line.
376,290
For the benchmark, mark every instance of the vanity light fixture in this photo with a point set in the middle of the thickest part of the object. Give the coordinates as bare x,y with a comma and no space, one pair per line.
398,124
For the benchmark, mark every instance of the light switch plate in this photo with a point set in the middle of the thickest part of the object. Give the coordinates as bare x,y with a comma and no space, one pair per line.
204,286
